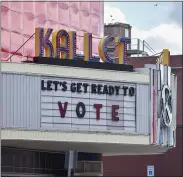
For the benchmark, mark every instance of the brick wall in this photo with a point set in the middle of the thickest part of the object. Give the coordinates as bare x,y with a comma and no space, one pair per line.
168,164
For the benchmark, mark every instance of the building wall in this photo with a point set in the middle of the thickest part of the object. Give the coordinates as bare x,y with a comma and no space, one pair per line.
74,16
168,164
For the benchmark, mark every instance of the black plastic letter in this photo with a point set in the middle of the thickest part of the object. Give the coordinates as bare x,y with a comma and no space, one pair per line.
82,113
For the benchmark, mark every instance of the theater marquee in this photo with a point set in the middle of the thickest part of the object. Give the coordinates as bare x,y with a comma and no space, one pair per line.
88,105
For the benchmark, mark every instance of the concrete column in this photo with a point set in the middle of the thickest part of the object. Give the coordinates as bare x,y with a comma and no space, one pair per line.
70,162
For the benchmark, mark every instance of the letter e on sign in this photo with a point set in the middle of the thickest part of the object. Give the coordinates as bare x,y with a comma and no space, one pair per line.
115,113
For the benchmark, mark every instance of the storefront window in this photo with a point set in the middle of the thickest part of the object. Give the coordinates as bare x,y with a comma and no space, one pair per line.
31,161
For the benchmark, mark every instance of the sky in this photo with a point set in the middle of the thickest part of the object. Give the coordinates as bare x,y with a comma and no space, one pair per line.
160,26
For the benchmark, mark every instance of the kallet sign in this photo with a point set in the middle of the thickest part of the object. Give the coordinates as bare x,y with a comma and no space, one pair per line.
63,45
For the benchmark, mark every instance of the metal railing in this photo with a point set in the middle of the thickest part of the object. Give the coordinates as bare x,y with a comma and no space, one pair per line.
141,47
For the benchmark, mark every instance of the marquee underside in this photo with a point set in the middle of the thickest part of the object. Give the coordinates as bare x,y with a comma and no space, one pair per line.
83,142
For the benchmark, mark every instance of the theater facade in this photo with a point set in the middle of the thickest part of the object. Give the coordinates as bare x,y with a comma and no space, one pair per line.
63,108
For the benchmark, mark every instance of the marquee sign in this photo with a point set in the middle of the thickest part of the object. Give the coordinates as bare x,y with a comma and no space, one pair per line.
91,105
63,45
166,106
163,105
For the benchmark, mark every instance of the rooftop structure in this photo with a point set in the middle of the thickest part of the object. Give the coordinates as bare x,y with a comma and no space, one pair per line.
137,47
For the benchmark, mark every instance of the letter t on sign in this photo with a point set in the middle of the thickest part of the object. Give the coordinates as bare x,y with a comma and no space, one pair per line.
61,109
98,107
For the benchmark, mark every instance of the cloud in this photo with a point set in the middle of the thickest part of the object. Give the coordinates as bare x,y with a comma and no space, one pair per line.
163,36
113,14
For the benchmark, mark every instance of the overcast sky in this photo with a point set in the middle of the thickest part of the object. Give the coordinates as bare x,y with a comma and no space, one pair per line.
160,26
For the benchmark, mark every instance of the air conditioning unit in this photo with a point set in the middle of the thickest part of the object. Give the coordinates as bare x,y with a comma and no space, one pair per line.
89,168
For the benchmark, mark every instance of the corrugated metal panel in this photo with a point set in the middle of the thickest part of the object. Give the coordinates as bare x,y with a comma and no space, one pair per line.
21,101
142,109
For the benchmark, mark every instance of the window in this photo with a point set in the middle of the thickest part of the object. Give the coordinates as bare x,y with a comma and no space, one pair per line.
126,32
27,161
116,31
